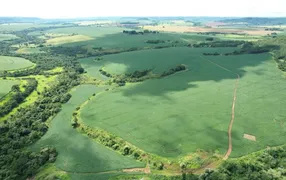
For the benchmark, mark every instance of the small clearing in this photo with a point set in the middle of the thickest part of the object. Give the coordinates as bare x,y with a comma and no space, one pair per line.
249,137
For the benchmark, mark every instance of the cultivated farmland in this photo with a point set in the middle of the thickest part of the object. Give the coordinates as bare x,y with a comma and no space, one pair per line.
4,37
142,98
146,113
79,154
13,63
6,86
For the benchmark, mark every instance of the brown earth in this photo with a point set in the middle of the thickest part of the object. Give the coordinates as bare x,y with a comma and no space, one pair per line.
195,29
249,137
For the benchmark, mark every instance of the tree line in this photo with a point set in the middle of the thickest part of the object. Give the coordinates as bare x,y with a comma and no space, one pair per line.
16,96
139,76
134,32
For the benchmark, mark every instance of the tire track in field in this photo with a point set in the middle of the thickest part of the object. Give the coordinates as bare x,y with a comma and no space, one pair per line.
145,170
229,150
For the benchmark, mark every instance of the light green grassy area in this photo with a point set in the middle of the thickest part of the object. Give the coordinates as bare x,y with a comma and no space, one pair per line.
49,171
87,31
29,50
56,70
78,153
259,109
158,60
94,176
238,37
4,37
120,40
6,86
12,63
67,39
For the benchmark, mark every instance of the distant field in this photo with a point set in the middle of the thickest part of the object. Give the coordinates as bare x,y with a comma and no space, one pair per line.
87,31
120,40
78,153
68,39
6,86
112,37
12,63
29,50
158,60
191,110
183,29
20,26
4,37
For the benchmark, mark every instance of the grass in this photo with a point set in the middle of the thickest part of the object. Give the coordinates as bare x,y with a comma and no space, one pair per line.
191,110
49,171
56,70
4,37
6,86
260,109
87,31
68,39
29,50
120,40
12,63
159,60
78,153
145,114
238,37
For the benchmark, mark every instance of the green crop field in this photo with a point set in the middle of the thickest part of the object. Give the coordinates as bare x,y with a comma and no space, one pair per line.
12,63
29,50
4,37
6,86
78,153
158,60
120,40
87,31
20,26
191,110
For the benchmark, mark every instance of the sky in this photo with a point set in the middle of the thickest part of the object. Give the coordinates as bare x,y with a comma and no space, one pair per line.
103,8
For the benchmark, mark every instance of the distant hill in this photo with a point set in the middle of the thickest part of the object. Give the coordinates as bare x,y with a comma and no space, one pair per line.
257,21
18,19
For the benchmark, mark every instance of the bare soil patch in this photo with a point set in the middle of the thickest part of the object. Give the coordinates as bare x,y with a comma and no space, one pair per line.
142,170
249,137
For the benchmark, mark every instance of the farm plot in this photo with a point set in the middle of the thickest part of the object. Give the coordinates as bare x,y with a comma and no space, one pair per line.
13,63
77,153
4,37
175,115
260,109
29,50
92,31
120,40
68,39
6,86
158,60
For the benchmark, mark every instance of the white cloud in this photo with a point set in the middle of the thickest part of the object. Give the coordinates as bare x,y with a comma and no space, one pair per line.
94,8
